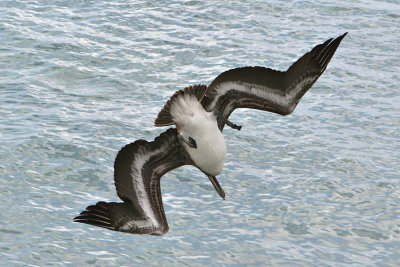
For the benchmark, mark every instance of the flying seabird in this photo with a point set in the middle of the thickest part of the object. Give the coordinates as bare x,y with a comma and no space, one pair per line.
199,114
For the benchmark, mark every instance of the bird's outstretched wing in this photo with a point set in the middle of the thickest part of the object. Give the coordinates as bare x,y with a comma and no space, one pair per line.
267,89
138,169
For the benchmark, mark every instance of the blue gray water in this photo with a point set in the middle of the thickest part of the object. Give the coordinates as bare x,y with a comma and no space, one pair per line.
80,79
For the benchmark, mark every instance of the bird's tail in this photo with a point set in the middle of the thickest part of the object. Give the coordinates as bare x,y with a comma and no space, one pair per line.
164,118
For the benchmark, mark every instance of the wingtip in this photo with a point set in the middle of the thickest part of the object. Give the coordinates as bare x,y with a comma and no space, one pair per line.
343,35
336,40
340,38
78,219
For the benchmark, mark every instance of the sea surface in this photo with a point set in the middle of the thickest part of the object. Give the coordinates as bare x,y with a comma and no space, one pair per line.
80,79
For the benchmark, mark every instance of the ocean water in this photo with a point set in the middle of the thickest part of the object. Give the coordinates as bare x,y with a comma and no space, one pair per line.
80,79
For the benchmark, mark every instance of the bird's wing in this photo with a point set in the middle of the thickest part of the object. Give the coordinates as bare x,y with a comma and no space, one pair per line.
267,89
138,169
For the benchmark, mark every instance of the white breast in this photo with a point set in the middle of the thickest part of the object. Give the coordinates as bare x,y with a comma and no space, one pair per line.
192,120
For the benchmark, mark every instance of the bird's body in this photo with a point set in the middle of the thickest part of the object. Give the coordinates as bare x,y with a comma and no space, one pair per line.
199,113
193,121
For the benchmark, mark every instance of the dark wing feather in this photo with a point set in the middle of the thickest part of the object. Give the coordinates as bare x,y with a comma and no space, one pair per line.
138,169
267,89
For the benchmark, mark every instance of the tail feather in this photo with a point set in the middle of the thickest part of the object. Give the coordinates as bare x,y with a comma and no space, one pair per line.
164,118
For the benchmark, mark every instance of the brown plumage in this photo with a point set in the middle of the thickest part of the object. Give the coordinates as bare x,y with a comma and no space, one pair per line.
139,166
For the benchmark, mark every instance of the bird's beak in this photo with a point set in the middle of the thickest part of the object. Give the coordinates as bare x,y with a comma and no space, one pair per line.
217,187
